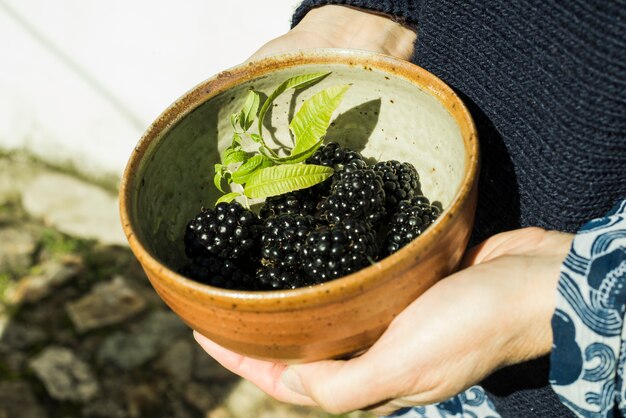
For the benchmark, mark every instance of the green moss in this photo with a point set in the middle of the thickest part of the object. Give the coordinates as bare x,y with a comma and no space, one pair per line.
57,243
5,280
7,374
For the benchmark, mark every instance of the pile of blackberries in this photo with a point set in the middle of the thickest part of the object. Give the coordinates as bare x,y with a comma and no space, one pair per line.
361,214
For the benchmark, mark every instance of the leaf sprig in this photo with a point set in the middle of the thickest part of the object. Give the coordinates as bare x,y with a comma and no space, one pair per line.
264,173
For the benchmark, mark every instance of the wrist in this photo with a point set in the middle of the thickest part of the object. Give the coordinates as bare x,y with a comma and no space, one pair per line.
347,27
536,300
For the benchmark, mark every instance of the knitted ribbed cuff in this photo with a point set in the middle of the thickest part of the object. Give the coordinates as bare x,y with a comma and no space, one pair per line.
404,12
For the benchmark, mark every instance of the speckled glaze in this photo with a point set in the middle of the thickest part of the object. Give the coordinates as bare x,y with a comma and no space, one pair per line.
394,110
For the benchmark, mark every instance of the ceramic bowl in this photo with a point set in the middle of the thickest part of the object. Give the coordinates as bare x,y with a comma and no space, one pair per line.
394,110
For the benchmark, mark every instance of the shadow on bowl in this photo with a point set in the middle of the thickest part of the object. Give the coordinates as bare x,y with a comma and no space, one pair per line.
394,110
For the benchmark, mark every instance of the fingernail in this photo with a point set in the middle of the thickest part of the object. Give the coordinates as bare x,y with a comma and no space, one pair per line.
291,379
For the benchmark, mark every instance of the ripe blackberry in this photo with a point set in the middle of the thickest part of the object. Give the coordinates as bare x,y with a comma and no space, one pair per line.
228,231
333,155
400,181
334,251
355,194
282,238
411,219
218,272
301,202
275,278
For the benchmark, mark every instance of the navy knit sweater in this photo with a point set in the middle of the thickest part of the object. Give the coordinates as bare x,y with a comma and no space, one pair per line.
545,81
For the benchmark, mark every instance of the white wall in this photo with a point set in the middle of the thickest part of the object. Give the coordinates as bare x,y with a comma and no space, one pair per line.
80,80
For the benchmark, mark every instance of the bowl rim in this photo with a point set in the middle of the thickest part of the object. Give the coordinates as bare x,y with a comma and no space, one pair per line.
336,289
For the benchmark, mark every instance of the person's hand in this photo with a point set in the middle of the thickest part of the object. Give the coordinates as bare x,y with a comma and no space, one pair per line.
344,27
494,312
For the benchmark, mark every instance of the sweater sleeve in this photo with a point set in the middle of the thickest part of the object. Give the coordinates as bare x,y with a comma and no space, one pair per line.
404,11
589,349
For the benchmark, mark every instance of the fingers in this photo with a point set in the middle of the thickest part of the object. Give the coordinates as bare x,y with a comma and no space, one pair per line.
344,386
264,374
518,241
335,386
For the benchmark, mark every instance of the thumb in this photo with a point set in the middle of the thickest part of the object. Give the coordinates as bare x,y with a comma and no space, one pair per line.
339,386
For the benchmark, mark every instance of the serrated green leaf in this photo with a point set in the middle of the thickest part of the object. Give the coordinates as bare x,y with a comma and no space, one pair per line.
234,155
280,179
217,178
311,122
248,112
249,167
227,198
293,159
299,81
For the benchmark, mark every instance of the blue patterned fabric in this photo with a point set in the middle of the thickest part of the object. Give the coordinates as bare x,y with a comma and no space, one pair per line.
473,403
589,348
589,352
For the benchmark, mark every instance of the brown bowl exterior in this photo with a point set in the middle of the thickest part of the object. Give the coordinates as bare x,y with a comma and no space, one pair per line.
337,318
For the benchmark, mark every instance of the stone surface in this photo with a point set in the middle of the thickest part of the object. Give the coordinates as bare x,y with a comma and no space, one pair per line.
17,401
145,400
177,360
103,408
17,247
245,400
130,349
64,375
205,368
74,207
20,336
219,412
15,173
107,303
200,397
11,362
52,274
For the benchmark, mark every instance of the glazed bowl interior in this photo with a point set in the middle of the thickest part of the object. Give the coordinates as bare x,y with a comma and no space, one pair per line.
384,116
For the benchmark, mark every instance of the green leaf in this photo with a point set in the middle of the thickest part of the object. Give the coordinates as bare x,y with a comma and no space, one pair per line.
217,178
256,138
234,118
297,82
293,159
227,198
236,140
248,112
311,122
249,167
273,181
234,155
268,152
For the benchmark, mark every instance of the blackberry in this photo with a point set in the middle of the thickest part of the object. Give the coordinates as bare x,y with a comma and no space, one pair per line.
411,219
228,231
334,251
301,202
355,194
218,272
400,181
282,238
333,155
275,278
353,165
